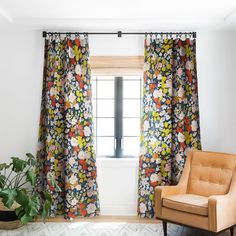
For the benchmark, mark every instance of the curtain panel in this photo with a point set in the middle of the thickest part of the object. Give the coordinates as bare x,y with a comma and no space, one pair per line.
170,116
65,148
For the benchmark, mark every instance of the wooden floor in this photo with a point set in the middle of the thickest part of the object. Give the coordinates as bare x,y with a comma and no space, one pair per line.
127,219
173,230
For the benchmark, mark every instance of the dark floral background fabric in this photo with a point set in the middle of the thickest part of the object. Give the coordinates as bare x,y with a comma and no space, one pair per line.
65,148
170,116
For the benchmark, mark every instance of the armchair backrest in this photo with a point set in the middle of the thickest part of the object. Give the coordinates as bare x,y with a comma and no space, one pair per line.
210,173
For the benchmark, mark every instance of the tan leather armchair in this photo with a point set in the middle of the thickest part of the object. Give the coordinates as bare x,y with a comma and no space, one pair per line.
205,196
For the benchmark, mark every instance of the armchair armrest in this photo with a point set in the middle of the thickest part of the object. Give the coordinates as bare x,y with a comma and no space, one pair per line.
180,188
222,208
221,211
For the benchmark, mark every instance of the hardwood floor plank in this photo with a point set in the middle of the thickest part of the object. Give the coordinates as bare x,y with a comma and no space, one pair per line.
127,219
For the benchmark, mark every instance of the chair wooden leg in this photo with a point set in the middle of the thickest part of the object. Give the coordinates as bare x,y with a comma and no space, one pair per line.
164,224
232,231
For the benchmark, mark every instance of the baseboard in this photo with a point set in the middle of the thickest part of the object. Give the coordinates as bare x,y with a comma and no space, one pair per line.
119,210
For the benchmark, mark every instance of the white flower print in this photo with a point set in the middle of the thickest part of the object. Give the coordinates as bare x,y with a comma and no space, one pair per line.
69,76
194,125
90,193
181,116
81,155
157,93
189,65
180,72
181,137
78,70
73,121
87,155
53,91
178,157
146,125
78,187
71,53
91,208
180,92
182,51
142,208
154,178
87,115
87,131
74,201
82,42
73,179
72,97
74,142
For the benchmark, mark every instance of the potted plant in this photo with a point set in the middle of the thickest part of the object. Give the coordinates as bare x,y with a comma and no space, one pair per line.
20,202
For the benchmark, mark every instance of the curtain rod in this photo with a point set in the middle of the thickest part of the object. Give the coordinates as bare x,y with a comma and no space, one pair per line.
119,33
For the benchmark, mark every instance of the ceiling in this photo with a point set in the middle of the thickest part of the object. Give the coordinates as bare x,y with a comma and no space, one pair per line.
126,15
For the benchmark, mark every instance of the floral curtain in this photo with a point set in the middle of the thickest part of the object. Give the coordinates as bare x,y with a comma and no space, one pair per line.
65,149
170,119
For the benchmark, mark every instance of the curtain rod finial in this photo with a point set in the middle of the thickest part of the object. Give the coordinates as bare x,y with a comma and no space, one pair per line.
44,34
195,34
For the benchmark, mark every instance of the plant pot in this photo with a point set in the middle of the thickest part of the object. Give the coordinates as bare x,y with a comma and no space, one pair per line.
8,218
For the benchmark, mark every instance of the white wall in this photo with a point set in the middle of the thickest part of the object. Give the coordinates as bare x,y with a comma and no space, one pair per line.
217,84
21,64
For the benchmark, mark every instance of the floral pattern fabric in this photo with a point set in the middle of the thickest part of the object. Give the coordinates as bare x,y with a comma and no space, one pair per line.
170,116
65,148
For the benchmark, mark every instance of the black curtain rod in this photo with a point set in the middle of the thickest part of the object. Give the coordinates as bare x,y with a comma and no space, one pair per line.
119,33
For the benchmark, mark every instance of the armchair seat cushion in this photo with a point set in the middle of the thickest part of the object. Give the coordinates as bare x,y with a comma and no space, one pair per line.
191,203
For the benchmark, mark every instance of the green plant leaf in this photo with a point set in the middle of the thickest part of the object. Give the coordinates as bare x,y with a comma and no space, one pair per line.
31,159
18,164
25,219
22,198
34,205
8,197
2,181
19,211
46,208
31,177
4,166
47,196
30,155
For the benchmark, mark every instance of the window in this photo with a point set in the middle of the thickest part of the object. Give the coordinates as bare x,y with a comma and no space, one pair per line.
117,108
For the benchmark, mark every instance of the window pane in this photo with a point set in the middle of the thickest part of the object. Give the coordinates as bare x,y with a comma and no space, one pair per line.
131,108
94,88
105,146
105,126
131,146
94,107
105,89
131,89
95,126
132,77
131,126
105,108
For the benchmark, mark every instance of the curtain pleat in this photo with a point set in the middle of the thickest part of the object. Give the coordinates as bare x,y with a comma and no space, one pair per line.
66,145
170,116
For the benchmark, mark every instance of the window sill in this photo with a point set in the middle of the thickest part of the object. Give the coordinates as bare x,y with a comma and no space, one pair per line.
105,162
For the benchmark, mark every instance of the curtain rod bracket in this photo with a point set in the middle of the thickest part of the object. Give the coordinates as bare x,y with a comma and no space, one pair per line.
44,33
119,34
